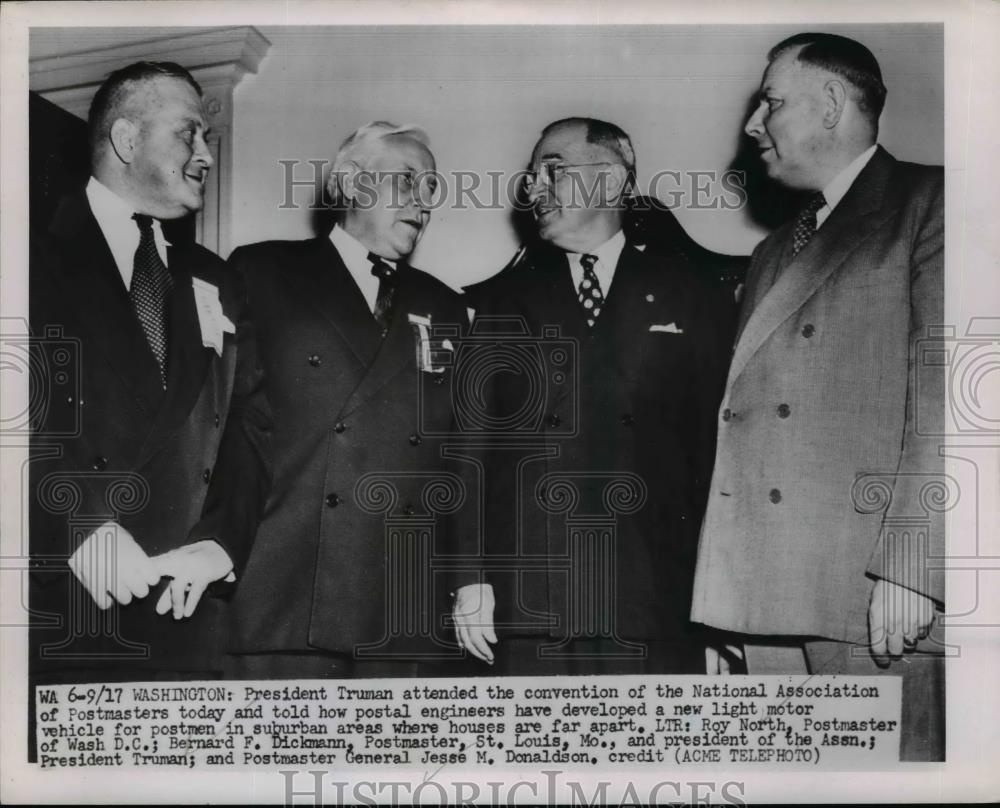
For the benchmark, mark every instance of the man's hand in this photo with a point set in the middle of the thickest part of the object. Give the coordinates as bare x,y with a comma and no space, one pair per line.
192,567
473,615
897,618
716,660
113,567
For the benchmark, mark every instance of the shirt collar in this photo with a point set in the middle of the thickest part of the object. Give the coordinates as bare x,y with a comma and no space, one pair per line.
114,217
108,207
353,252
111,210
842,183
607,253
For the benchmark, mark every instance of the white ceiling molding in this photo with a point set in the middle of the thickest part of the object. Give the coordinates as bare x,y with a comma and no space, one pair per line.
214,56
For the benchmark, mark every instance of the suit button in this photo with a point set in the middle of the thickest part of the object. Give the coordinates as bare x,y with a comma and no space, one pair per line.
553,421
409,510
315,361
415,439
784,410
808,330
339,427
206,475
727,414
627,420
774,496
100,463
216,420
332,500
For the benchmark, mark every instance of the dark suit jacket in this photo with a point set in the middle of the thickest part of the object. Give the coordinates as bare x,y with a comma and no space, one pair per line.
109,442
631,400
828,470
338,445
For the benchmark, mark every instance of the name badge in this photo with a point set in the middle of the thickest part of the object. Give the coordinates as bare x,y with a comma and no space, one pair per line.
211,319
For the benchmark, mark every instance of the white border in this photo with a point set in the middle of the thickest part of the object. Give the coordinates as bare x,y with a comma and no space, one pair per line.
971,32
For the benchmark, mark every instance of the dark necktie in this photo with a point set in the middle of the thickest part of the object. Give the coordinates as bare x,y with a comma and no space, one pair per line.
151,283
388,282
805,223
589,294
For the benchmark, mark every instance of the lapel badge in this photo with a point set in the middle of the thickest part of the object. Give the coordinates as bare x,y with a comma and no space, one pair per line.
430,359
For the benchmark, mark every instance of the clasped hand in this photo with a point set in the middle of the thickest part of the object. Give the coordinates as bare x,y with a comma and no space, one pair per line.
114,568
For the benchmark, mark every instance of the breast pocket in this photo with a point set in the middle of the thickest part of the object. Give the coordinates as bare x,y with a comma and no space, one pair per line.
665,348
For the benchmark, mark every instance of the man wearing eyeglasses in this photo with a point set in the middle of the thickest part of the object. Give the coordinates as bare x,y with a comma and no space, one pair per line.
600,505
333,448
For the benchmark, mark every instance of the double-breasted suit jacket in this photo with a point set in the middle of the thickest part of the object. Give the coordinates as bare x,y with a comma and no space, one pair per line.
338,455
109,442
820,459
622,444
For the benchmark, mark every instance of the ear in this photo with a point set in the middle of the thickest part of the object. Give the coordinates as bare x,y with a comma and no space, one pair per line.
124,135
617,179
834,102
347,176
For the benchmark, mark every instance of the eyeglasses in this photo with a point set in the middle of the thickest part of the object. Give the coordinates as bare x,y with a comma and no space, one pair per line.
421,186
552,172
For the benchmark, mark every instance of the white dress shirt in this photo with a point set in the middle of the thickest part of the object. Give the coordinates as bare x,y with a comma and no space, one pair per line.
121,232
355,257
841,184
607,259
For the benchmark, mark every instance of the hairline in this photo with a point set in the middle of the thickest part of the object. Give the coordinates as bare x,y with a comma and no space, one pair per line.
859,92
584,124
356,149
122,106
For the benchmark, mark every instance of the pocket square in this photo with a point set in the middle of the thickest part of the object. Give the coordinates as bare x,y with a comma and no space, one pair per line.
670,328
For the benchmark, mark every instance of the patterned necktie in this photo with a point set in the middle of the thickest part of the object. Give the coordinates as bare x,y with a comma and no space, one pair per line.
388,283
151,283
805,223
589,294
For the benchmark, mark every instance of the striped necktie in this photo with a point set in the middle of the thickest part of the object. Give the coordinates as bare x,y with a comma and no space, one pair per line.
388,283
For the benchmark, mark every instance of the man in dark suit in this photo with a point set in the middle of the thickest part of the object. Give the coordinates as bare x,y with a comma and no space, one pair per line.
592,509
135,369
825,516
337,453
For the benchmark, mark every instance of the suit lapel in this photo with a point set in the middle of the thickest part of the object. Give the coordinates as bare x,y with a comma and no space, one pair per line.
188,360
857,215
769,254
325,282
622,319
397,351
554,302
92,282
